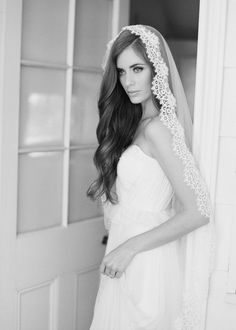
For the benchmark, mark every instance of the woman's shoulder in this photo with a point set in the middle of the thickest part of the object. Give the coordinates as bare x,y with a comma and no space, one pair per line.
156,131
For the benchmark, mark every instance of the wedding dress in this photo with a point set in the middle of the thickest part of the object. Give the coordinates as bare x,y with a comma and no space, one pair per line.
147,296
165,288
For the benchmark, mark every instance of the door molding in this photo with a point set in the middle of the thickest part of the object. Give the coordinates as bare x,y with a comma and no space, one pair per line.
9,105
120,15
208,92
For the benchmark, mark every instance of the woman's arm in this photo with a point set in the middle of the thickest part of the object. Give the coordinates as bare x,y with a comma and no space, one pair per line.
159,141
172,229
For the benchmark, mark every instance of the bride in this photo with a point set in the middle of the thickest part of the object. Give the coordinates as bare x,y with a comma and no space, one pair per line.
156,204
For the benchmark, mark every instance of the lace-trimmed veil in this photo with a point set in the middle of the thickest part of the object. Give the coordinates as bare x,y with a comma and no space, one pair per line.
175,115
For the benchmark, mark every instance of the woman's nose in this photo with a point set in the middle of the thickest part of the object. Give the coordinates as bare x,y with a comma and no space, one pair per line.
129,80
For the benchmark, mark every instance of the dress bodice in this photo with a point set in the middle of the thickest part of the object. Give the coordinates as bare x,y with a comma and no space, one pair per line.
141,182
143,190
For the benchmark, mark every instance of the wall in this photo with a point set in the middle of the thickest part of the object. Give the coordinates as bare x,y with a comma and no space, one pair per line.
222,302
174,19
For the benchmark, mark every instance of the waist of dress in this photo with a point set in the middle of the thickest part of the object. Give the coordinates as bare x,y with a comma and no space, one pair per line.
128,215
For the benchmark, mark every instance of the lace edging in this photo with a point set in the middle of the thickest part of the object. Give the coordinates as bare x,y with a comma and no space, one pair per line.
161,90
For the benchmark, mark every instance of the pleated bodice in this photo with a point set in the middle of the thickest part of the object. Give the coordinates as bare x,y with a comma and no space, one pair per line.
143,190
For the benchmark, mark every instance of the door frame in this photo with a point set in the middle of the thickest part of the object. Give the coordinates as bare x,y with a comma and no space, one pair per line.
120,15
208,91
10,11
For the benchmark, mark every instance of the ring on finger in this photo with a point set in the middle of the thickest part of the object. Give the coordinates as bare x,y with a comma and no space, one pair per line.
118,274
112,273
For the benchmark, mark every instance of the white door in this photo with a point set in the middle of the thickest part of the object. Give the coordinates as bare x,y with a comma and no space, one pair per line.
51,233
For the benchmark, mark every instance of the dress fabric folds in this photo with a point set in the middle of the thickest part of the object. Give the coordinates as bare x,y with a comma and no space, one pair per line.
148,294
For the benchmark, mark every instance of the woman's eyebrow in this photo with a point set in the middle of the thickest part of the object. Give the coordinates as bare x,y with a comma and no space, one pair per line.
133,65
136,64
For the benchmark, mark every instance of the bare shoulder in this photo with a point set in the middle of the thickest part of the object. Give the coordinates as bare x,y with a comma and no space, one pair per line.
157,133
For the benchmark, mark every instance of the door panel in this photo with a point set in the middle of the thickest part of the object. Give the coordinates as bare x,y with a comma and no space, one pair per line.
84,112
42,107
44,30
90,34
35,307
39,190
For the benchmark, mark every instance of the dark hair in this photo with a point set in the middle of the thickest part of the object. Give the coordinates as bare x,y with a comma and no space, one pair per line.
119,118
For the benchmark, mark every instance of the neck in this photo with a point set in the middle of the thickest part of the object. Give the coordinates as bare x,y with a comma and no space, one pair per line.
149,109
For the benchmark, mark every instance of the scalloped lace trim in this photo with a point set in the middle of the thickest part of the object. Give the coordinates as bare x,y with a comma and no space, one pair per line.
161,90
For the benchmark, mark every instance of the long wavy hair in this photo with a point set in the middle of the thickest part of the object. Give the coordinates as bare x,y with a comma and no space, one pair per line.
118,119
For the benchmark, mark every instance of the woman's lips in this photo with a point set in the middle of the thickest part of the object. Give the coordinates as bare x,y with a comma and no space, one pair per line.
132,92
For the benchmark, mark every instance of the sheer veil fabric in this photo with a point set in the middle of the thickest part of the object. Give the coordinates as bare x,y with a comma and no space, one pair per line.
198,246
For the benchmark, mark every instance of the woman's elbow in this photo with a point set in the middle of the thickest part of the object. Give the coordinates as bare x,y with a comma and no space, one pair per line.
204,220
197,219
201,220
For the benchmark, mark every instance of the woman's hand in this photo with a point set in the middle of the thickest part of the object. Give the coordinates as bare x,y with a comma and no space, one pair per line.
116,261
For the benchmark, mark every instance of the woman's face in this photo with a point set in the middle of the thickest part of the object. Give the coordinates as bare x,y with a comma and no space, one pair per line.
135,76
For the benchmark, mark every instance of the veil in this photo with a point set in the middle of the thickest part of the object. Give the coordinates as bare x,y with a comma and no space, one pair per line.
198,246
182,107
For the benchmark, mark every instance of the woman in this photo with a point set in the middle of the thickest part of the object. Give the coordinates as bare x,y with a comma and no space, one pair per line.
152,192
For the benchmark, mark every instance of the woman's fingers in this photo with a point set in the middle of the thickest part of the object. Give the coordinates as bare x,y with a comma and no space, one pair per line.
102,268
105,269
109,271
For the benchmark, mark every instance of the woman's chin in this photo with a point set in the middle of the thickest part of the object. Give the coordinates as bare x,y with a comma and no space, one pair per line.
135,100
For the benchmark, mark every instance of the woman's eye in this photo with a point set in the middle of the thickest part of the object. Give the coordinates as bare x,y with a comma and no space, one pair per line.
138,69
120,72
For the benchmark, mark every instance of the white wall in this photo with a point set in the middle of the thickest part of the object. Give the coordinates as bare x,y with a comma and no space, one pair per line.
222,302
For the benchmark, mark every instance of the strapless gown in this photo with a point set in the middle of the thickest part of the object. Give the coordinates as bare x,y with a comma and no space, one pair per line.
147,296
